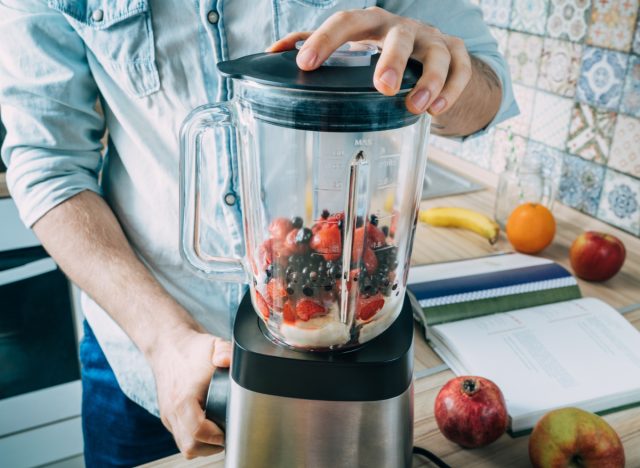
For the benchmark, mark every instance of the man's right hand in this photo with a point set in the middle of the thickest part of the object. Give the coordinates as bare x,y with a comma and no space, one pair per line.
183,367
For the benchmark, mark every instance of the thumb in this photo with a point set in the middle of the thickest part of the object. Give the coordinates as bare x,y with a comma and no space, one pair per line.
221,353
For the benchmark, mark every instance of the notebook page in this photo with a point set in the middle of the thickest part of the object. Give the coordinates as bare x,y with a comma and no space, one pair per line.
550,356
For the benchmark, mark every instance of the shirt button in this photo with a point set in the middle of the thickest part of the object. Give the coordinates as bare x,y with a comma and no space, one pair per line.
97,15
230,199
213,17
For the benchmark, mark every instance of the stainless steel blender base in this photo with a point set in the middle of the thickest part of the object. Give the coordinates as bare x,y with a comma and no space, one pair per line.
273,431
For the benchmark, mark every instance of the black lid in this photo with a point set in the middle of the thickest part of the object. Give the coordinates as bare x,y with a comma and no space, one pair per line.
330,98
380,369
280,69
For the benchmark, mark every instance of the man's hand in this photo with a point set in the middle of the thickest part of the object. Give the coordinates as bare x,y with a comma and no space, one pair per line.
450,76
183,368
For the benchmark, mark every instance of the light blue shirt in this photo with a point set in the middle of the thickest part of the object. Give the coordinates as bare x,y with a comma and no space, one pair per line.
149,63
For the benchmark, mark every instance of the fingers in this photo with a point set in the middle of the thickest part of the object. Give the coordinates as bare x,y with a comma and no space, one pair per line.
288,42
458,78
435,57
349,25
396,50
221,353
195,435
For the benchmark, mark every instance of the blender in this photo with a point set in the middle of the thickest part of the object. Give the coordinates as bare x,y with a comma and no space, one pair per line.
331,173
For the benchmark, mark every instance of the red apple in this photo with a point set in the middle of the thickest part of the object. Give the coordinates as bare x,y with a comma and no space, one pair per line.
596,256
573,437
470,411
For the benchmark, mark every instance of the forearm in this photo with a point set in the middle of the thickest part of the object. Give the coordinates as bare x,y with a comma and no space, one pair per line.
477,106
84,237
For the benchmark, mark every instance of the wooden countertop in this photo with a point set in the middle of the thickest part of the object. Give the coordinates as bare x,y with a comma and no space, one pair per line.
438,244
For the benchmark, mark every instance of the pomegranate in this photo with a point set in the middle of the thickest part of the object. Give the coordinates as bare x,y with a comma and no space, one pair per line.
471,411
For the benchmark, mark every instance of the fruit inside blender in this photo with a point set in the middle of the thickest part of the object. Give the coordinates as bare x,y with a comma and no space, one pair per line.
298,281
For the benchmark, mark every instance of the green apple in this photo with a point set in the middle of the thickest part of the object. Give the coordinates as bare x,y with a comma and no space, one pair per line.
571,437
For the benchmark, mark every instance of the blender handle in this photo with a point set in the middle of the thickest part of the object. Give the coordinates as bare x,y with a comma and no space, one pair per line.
202,119
215,408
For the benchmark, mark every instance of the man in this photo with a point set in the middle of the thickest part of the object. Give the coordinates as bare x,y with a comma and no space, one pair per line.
112,223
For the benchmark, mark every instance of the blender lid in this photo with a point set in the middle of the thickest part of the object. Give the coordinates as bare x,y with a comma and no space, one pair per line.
349,69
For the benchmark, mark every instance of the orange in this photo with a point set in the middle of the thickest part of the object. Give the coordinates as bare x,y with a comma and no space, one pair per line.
530,228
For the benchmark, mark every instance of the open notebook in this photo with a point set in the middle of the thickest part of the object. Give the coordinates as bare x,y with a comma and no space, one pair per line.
520,321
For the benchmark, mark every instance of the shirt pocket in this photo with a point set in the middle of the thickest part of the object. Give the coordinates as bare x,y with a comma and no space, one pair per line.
307,15
119,34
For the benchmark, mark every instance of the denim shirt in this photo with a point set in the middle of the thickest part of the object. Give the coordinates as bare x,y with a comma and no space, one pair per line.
149,63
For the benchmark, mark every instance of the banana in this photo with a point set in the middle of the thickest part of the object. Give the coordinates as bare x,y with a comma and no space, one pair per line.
462,218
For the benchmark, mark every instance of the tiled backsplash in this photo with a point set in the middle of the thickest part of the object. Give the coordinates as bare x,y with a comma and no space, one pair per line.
576,74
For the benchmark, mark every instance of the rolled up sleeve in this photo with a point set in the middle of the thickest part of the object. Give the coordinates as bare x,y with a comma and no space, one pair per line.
462,19
48,106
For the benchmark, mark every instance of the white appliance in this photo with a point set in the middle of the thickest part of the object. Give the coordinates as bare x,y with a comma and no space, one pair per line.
40,391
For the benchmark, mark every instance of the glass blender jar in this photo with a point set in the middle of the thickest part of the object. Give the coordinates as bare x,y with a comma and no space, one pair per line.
330,173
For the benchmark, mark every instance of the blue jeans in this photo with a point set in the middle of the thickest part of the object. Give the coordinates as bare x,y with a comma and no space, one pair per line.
117,432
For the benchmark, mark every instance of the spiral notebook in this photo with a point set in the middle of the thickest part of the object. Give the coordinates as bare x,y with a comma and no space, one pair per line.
521,322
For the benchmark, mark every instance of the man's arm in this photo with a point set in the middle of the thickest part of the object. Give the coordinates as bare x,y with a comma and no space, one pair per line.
52,151
84,237
477,106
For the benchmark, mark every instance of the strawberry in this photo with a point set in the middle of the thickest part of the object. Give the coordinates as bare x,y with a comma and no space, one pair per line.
369,306
370,260
280,227
288,313
265,253
292,243
375,237
327,241
262,305
358,243
307,309
275,294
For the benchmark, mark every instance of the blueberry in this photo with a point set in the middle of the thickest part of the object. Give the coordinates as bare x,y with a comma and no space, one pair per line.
303,236
307,290
297,222
328,287
325,214
385,230
374,220
290,289
395,286
295,276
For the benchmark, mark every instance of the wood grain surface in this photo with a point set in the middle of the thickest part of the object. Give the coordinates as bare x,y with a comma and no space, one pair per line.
441,244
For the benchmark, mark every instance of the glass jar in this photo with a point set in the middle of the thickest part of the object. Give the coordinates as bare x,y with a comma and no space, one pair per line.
523,181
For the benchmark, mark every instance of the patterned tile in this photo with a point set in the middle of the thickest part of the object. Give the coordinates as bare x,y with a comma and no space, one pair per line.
501,36
625,150
580,184
620,201
506,145
521,123
568,19
612,23
631,93
524,52
551,116
601,77
590,132
496,12
560,67
478,150
529,15
551,160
